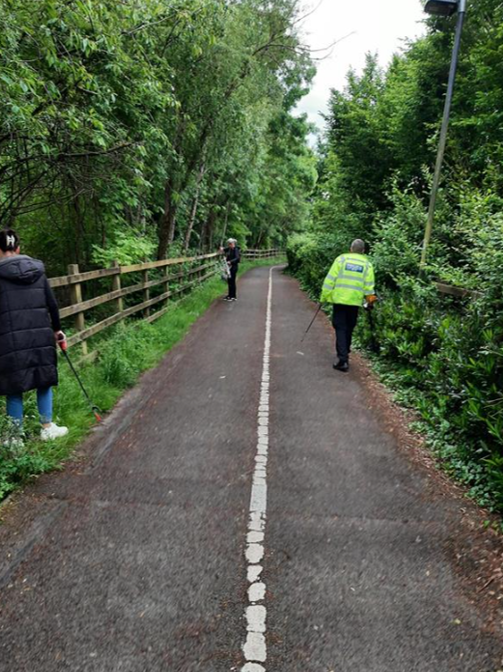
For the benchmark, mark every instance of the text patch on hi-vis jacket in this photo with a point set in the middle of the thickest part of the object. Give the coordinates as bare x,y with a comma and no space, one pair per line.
356,268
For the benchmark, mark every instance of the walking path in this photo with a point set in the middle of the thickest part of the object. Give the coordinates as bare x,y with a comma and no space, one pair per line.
242,509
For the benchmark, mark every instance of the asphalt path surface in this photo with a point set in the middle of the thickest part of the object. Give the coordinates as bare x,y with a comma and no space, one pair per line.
134,559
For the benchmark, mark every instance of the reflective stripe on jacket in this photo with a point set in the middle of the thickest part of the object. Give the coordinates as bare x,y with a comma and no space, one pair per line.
349,281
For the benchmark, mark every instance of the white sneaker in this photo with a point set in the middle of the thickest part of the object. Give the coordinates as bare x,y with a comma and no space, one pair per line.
53,432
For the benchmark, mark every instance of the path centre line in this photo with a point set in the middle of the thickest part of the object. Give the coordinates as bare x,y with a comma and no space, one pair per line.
255,649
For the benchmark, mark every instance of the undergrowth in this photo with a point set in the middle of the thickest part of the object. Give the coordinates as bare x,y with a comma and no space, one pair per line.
458,459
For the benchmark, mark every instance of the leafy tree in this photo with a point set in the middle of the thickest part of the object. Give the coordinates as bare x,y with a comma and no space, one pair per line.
139,119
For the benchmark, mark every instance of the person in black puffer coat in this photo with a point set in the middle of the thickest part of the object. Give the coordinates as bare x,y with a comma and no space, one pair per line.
29,328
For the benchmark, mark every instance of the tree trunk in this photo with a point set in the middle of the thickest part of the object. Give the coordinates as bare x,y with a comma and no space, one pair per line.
79,230
195,203
226,221
259,238
208,229
167,223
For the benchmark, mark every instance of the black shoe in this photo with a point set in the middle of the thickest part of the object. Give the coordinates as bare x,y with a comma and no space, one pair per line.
341,366
227,298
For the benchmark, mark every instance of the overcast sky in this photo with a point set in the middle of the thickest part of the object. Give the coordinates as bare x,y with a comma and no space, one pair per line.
378,25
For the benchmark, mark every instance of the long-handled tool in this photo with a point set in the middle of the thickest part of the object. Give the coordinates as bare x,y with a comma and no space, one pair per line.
312,322
64,349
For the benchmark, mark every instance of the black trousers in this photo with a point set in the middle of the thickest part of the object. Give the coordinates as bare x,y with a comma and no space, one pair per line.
232,282
344,320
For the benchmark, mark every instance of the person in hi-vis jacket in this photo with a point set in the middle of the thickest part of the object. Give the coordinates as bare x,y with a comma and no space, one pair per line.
349,282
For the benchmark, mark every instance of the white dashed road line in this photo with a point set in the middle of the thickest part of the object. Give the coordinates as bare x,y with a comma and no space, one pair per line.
255,649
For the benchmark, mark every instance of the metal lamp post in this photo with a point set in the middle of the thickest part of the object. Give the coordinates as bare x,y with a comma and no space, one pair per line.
443,8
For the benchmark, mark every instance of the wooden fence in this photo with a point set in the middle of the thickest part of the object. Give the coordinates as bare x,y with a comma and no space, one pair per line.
172,278
263,254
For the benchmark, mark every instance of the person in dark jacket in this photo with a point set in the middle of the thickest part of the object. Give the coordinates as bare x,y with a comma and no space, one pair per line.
29,328
233,257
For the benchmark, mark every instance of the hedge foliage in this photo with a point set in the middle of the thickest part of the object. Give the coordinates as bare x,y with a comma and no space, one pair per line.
443,355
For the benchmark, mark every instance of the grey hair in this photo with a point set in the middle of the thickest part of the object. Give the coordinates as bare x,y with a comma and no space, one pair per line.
358,246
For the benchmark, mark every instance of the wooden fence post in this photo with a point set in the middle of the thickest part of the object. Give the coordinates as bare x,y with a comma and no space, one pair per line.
165,286
146,293
116,286
76,297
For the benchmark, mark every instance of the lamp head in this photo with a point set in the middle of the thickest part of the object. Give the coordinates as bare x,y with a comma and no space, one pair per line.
441,7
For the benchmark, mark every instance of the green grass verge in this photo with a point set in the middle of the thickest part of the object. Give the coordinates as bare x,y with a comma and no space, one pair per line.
125,352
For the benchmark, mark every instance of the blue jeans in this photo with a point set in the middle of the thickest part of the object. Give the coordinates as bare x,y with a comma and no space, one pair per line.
44,402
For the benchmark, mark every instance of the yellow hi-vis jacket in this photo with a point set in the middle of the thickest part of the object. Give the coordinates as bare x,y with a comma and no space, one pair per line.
349,281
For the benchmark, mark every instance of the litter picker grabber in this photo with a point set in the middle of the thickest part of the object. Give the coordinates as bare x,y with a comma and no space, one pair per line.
312,322
64,349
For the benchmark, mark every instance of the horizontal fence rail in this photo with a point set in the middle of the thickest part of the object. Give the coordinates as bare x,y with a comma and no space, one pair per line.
263,254
156,282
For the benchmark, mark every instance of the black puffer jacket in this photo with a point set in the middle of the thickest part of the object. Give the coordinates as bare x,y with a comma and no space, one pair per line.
28,358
